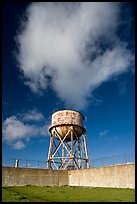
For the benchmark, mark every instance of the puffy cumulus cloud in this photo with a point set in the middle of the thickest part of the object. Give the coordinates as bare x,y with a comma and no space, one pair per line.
32,115
18,145
17,133
71,48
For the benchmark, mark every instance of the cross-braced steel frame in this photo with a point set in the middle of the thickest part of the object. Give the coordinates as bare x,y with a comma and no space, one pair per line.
67,153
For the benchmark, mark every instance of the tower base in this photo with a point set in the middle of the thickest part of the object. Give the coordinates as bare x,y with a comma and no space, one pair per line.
67,154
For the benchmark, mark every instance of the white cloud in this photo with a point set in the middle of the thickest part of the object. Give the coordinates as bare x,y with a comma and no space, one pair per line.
32,115
104,133
44,130
19,145
61,47
17,133
15,129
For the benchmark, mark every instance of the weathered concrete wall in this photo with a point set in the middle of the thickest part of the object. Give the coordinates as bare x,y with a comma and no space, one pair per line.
12,176
120,176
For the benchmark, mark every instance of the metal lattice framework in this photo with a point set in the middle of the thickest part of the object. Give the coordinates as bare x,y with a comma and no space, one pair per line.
67,154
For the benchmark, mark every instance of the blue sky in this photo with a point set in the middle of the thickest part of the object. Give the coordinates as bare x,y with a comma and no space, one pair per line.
54,58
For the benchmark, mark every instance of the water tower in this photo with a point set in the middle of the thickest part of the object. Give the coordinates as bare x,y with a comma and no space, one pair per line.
68,148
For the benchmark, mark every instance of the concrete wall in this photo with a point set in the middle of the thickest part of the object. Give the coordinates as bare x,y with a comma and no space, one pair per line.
12,176
120,176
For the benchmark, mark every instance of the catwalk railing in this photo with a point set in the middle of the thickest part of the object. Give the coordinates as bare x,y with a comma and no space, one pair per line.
94,163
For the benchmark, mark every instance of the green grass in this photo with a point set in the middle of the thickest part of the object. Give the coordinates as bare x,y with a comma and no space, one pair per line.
66,194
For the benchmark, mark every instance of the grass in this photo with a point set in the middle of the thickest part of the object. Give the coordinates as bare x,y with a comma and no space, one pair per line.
66,194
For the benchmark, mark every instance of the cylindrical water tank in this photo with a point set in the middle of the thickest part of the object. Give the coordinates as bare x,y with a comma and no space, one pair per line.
62,121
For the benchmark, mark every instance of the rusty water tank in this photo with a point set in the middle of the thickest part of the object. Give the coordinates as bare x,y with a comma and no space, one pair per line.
64,119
